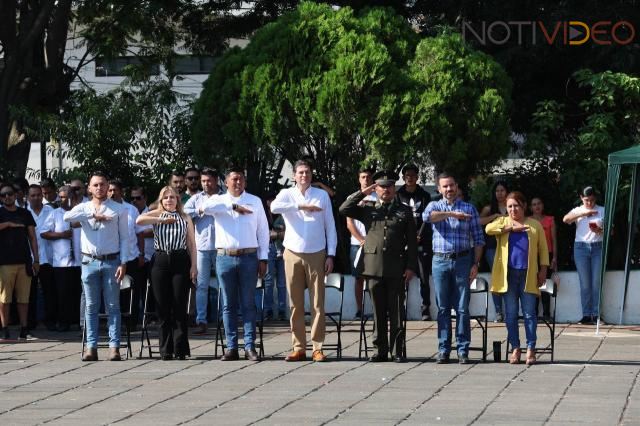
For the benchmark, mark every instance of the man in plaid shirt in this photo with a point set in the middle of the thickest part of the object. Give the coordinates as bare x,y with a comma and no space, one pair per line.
457,250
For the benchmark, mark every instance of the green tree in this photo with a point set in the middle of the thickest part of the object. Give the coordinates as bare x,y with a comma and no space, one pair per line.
460,107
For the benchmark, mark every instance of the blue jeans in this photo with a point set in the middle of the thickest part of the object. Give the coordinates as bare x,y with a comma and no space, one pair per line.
516,279
489,255
206,260
275,269
451,282
588,257
237,276
99,276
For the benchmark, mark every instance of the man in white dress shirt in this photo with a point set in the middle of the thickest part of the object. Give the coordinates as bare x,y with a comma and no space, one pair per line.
105,249
310,246
242,244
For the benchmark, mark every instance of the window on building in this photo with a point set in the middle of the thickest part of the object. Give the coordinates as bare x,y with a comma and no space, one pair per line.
116,67
194,64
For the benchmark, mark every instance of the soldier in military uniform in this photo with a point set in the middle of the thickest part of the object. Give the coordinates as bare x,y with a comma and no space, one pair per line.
389,259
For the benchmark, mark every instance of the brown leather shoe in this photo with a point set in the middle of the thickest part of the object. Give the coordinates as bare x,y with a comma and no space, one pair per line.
114,354
230,355
251,355
294,356
318,356
200,329
90,354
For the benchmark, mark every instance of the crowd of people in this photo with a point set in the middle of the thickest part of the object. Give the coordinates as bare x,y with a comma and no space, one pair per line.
78,244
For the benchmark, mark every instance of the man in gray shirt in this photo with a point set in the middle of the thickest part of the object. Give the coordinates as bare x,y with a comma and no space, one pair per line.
104,247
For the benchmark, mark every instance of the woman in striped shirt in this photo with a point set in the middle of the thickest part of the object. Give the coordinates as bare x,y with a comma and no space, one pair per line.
173,270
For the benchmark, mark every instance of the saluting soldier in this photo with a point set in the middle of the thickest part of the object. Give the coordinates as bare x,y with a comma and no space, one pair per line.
389,259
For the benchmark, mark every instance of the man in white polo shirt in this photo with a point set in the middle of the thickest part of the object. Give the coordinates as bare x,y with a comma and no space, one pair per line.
310,242
242,244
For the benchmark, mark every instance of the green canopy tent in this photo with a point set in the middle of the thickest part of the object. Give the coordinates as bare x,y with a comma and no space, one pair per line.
629,156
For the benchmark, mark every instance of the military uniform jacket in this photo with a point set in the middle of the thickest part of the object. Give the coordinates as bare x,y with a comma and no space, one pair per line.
390,246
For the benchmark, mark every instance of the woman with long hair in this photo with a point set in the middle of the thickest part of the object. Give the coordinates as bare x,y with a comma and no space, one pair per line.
549,225
173,270
497,208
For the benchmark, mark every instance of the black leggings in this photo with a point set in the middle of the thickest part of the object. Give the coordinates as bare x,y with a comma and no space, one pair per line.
170,284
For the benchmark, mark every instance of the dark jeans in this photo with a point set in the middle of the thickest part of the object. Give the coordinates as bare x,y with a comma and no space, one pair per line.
387,294
170,284
138,286
65,307
45,278
424,271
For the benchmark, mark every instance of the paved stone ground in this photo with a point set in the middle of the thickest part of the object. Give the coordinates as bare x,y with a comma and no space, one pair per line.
592,381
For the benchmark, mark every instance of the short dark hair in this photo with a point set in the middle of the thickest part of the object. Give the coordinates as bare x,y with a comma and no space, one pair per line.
234,169
410,167
176,173
98,173
35,186
208,171
117,183
302,162
191,169
139,189
5,185
47,183
445,175
365,170
588,191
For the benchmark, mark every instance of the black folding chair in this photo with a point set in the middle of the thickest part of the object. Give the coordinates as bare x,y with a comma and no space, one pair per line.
147,313
334,282
551,288
364,345
480,287
125,288
259,344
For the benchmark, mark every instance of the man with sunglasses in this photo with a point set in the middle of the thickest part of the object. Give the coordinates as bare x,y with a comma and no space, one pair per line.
17,243
389,259
192,178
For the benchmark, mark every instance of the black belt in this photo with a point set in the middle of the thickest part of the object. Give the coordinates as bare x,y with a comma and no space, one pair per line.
110,256
453,255
170,252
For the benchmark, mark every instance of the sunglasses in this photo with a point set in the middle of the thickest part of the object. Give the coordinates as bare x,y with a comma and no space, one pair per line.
137,197
7,194
193,177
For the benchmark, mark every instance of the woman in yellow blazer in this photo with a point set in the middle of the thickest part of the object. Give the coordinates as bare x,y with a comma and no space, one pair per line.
519,268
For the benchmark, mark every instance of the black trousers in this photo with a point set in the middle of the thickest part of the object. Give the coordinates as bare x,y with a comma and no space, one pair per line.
64,306
387,294
424,271
45,281
138,286
170,283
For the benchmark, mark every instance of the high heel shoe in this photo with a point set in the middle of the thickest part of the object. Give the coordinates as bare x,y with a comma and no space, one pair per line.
515,356
531,356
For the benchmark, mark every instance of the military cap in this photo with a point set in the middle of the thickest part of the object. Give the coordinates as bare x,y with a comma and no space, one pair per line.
385,178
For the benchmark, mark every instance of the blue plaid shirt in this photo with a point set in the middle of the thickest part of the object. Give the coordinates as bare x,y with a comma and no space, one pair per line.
452,235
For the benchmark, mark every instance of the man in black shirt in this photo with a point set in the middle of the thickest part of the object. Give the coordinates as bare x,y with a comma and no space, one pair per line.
412,195
17,243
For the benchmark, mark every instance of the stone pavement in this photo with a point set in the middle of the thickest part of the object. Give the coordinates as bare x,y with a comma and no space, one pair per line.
592,381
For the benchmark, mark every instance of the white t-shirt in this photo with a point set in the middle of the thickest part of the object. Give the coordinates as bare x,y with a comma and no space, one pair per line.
583,233
359,225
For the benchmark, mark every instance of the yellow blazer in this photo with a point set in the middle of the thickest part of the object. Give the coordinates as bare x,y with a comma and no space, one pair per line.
538,254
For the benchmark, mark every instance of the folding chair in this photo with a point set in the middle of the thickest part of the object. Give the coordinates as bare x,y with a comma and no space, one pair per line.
364,345
146,314
335,282
259,344
551,288
479,286
125,286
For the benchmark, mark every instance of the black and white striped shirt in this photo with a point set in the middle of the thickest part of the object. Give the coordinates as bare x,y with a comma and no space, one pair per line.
169,237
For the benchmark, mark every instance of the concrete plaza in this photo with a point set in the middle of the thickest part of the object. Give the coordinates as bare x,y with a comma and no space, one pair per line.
592,381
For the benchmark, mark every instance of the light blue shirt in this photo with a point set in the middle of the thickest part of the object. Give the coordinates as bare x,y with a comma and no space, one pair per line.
106,237
204,224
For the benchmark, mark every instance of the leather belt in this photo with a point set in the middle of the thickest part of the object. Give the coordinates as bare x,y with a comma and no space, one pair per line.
453,255
236,252
110,256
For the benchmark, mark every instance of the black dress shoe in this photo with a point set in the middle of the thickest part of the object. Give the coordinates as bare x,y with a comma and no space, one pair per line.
251,355
399,359
378,358
586,320
463,359
181,357
442,358
230,355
